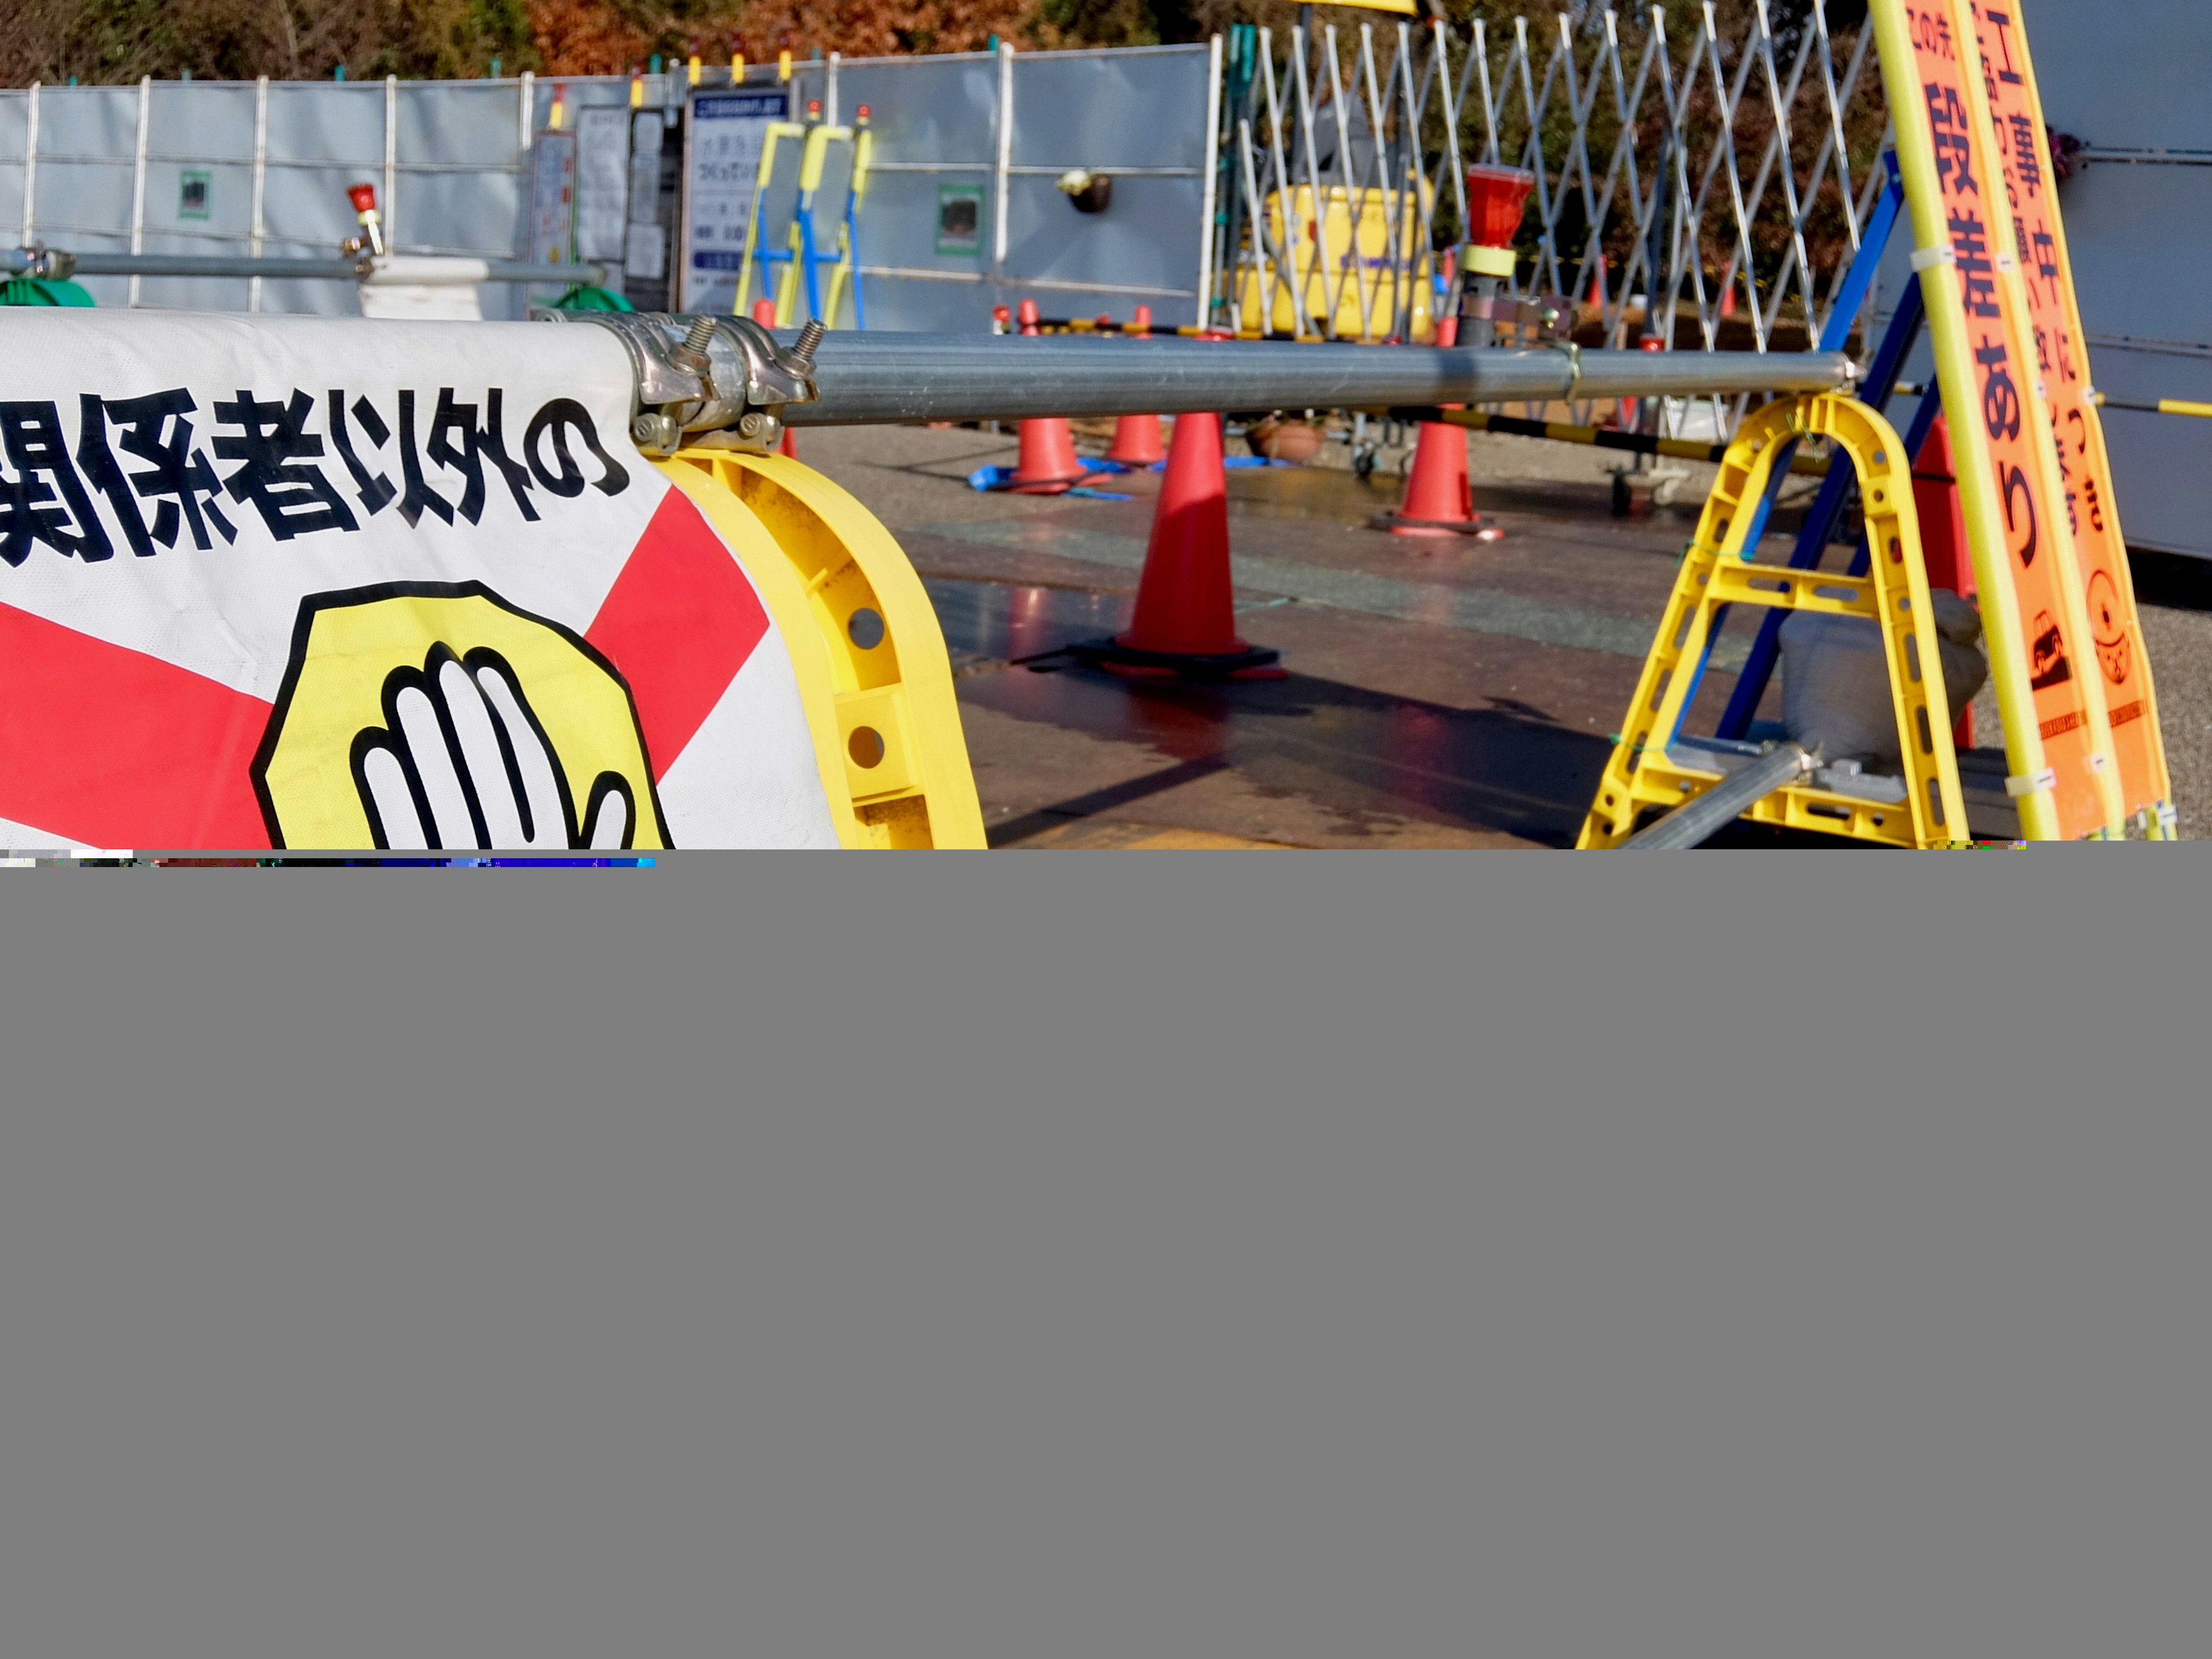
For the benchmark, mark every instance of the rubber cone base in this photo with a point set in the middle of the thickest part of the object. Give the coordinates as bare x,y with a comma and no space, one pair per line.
1399,524
1252,663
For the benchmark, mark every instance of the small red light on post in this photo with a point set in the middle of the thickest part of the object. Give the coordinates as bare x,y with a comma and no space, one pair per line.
1495,197
363,197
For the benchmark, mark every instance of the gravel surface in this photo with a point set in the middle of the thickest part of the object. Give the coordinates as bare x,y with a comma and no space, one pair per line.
2180,642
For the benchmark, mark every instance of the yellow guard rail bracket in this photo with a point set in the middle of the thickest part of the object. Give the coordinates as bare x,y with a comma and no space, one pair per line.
1642,774
863,640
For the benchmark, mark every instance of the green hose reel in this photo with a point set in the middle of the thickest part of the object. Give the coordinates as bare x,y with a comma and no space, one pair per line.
42,291
585,297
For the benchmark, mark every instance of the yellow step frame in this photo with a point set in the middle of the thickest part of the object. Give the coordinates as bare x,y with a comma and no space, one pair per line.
1642,774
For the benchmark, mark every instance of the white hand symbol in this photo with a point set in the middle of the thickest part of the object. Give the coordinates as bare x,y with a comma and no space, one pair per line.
463,764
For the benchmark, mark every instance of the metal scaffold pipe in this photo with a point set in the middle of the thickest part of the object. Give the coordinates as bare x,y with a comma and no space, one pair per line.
43,262
870,378
1697,822
729,381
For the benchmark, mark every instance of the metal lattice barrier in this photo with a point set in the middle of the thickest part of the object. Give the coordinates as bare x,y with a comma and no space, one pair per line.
1701,174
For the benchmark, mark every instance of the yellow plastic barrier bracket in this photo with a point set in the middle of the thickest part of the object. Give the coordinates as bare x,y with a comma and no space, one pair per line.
1642,774
864,642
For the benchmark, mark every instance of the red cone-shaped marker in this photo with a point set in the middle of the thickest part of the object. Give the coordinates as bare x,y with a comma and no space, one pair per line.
1184,624
1048,464
1943,535
1137,441
1137,437
765,314
1438,499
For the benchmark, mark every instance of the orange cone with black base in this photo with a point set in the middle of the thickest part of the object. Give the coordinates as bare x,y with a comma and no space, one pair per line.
1047,464
765,314
1439,502
1137,437
1185,625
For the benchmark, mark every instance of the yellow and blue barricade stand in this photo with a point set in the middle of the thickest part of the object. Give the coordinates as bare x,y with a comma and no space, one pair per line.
804,216
769,238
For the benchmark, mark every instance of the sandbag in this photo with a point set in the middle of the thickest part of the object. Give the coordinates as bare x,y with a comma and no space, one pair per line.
1835,682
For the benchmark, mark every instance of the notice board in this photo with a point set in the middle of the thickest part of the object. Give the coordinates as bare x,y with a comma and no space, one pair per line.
722,145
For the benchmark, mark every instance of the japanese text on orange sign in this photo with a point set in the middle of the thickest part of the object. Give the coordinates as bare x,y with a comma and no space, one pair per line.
2062,369
1989,424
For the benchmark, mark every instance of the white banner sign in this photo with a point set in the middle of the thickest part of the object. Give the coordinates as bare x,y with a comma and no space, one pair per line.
727,134
306,582
602,182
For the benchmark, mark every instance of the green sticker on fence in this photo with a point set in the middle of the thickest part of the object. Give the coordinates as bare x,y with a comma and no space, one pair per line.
960,219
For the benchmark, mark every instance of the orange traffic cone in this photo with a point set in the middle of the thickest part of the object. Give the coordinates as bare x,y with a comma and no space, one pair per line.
1439,502
1943,534
765,314
1048,464
1185,625
1137,437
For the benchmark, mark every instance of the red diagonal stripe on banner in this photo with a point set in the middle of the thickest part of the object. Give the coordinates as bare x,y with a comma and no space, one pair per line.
113,748
679,622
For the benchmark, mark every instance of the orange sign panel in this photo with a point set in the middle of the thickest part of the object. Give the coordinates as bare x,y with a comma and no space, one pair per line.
2062,373
1985,367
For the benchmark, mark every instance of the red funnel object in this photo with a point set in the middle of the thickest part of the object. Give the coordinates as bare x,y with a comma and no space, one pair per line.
1184,624
1048,464
1495,198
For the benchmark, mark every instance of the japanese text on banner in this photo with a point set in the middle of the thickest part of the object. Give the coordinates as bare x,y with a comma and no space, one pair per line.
1990,422
2062,373
145,472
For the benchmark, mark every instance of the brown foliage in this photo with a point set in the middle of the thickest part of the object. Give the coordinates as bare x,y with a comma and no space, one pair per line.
593,37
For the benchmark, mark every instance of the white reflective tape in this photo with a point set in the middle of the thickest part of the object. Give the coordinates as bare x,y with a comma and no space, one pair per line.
1925,256
428,270
2017,786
